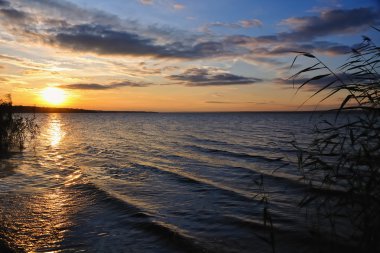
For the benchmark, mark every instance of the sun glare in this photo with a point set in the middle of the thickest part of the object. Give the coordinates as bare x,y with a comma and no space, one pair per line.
54,96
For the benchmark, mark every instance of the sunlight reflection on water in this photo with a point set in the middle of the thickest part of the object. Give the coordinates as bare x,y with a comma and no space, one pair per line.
55,132
38,216
39,221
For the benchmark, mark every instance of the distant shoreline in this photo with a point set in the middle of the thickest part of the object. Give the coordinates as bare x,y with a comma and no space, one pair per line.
37,109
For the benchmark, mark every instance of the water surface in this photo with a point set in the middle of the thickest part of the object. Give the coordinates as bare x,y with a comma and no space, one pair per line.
155,183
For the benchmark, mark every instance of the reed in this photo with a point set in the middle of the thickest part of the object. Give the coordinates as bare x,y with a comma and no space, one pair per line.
264,199
15,130
343,160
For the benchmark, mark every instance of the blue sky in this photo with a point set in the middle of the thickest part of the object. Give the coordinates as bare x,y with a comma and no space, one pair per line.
170,55
198,13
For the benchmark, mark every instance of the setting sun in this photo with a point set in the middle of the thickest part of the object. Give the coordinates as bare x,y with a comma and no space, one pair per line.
54,96
190,126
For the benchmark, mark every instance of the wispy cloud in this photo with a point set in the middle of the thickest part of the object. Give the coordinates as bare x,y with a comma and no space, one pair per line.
165,3
9,58
4,3
325,47
178,6
242,24
102,34
146,2
228,102
12,14
105,34
313,84
335,21
65,26
103,40
198,77
96,86
305,33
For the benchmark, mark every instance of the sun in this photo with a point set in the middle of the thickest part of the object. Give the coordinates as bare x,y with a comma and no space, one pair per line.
54,96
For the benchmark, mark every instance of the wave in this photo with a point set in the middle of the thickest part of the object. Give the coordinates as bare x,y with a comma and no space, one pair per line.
185,177
132,215
270,147
225,153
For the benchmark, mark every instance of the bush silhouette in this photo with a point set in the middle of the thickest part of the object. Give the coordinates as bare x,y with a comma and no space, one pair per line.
15,130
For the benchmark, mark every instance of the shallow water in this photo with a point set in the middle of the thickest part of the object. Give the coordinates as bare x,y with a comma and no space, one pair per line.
155,183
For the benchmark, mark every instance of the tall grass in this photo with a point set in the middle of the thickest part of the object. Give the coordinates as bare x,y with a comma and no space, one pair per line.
15,130
263,196
343,160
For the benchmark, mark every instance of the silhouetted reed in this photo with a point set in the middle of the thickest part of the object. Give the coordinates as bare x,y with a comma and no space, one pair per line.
343,160
15,130
263,196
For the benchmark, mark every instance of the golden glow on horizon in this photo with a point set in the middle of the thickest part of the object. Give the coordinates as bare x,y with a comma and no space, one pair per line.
54,96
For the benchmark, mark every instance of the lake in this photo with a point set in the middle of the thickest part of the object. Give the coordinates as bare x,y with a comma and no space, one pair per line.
160,182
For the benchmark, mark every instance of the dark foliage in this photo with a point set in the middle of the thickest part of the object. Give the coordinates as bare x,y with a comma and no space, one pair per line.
343,160
15,130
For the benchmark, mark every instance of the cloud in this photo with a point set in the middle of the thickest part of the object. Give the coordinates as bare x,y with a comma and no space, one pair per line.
64,10
6,57
14,18
315,84
96,86
104,40
271,46
228,102
198,77
330,22
146,2
242,24
3,79
12,14
101,33
178,6
331,48
4,3
305,30
63,24
324,47
250,23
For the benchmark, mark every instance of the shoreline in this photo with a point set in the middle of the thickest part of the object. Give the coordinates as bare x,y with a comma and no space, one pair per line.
36,109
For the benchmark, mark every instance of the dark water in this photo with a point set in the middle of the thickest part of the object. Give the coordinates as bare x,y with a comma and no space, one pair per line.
155,183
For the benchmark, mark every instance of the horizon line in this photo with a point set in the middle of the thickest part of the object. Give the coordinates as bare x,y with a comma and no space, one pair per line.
48,109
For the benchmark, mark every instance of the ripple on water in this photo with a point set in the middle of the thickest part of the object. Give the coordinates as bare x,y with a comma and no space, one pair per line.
152,183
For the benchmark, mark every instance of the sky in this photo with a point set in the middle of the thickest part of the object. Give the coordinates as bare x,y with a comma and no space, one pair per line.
175,55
